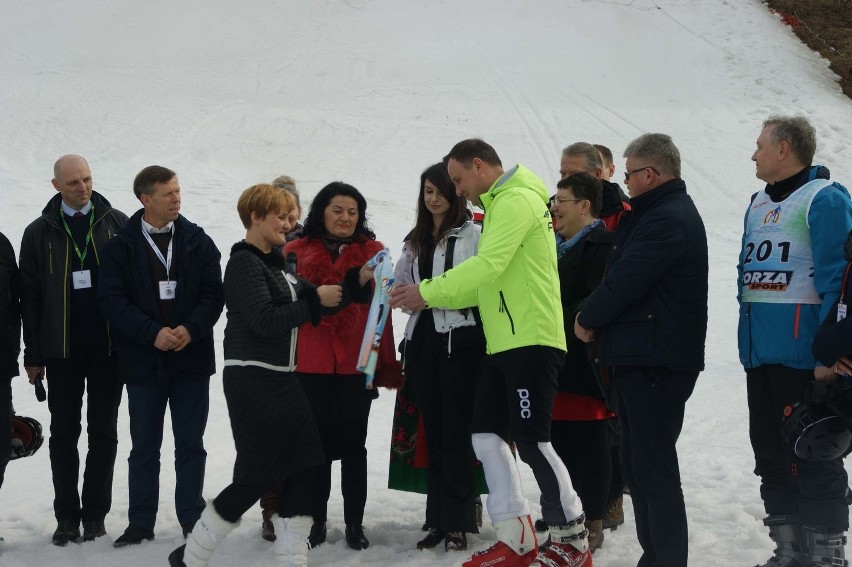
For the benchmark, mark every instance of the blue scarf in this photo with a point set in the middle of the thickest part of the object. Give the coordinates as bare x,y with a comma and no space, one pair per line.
563,244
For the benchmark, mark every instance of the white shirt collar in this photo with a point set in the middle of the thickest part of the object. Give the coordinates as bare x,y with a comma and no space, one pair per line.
71,212
151,230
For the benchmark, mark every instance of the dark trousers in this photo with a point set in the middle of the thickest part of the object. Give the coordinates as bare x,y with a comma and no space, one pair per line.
816,492
67,379
294,495
341,406
188,401
5,421
584,448
514,399
652,403
616,483
445,388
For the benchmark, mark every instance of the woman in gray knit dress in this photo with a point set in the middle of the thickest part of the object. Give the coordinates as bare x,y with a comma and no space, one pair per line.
274,430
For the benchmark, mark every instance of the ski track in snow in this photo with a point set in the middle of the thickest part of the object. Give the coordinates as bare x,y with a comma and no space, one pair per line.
371,92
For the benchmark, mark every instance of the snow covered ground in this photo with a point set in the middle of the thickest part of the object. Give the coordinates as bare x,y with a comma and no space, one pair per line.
371,92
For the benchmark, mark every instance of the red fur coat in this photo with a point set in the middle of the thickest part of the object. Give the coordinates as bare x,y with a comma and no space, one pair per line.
332,346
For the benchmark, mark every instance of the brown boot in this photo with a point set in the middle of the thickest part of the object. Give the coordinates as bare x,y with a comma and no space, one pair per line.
267,530
596,534
268,505
614,515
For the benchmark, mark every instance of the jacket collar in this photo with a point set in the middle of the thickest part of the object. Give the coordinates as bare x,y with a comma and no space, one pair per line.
518,177
661,192
781,190
53,209
273,258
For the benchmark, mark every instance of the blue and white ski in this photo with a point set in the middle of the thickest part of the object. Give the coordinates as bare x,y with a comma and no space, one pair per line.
378,315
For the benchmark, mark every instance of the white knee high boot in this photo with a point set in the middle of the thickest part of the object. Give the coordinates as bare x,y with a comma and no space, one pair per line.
291,540
209,531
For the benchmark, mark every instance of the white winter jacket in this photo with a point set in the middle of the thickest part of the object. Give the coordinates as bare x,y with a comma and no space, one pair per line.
464,241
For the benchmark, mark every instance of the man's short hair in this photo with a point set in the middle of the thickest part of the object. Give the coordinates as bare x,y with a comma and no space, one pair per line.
465,151
149,177
585,186
606,154
263,199
588,151
656,150
796,131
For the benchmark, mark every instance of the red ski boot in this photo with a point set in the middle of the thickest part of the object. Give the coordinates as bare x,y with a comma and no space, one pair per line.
516,545
569,546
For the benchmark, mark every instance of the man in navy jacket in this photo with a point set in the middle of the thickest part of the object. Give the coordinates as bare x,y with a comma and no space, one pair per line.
649,315
161,290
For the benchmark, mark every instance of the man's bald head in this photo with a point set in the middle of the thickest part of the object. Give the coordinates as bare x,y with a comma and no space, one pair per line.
68,160
73,179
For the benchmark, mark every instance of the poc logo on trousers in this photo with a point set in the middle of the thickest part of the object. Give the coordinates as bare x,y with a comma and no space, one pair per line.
524,401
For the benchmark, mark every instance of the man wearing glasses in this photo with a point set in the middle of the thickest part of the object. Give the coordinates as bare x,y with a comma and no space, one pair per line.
649,317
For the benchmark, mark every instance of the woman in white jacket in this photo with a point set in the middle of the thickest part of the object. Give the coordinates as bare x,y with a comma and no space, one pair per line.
442,351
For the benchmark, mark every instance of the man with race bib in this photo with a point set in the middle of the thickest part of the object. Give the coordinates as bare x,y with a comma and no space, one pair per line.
789,277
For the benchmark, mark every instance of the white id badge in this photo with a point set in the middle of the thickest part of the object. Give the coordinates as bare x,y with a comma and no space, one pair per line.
167,289
81,279
841,312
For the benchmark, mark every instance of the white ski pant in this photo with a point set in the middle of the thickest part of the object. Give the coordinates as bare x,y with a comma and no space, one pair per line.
559,501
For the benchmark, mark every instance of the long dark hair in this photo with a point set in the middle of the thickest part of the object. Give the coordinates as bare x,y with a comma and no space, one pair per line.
315,221
420,238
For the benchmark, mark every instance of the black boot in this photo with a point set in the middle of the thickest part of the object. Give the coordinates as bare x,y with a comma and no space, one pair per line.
176,557
317,535
790,542
355,537
826,548
432,539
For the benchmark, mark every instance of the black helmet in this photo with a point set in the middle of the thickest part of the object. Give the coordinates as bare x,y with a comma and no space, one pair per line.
815,433
26,436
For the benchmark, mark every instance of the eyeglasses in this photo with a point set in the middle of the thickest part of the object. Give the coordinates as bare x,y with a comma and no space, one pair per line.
560,200
627,174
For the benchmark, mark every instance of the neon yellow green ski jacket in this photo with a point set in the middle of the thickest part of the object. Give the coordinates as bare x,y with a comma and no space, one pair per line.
513,277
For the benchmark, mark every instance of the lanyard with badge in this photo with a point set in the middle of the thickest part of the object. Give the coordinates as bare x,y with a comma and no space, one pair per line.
168,287
841,305
81,279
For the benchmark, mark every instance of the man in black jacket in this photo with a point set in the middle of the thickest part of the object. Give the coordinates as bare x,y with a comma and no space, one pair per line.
65,334
161,290
649,316
10,340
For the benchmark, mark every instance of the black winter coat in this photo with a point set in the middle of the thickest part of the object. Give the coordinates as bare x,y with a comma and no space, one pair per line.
10,312
271,419
262,316
651,307
581,269
46,252
127,298
834,338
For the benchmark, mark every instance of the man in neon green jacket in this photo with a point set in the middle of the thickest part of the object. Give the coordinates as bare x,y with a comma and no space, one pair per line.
514,281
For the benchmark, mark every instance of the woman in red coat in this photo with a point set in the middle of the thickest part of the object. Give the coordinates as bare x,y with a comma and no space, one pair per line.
335,245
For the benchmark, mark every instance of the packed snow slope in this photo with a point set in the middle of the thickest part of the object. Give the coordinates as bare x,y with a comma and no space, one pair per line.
371,92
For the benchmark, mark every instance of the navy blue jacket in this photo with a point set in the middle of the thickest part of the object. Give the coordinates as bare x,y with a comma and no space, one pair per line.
651,307
128,300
